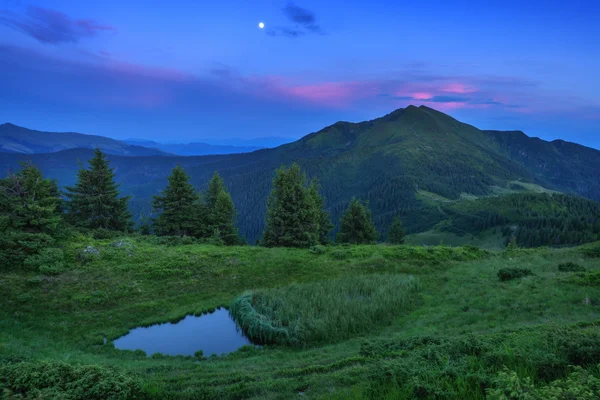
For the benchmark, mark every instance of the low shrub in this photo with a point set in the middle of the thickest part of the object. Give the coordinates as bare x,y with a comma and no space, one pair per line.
507,274
49,261
419,366
318,249
16,247
590,278
59,380
570,267
579,384
340,254
173,240
88,254
593,252
101,234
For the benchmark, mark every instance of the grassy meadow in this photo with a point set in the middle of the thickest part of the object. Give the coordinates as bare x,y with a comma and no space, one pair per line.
372,321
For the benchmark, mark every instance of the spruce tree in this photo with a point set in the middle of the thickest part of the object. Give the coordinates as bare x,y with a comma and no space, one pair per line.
291,220
94,201
180,207
324,225
396,233
356,225
222,216
220,211
28,202
215,186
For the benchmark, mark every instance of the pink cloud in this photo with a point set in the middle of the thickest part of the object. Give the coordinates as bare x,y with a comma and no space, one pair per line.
332,93
421,95
459,88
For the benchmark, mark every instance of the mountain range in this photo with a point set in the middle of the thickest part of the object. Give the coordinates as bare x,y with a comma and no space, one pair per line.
194,148
412,162
16,139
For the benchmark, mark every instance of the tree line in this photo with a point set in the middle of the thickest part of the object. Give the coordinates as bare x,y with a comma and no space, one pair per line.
32,209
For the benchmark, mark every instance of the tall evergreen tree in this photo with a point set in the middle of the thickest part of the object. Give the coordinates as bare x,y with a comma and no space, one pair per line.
356,225
324,225
180,207
28,202
396,233
94,201
220,211
215,186
291,219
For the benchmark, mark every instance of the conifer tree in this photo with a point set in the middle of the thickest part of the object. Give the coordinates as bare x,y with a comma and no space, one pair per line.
291,219
94,201
180,207
220,211
28,202
324,225
356,225
215,186
222,216
396,233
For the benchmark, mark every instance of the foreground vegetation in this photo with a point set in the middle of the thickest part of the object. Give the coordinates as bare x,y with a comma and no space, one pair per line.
466,333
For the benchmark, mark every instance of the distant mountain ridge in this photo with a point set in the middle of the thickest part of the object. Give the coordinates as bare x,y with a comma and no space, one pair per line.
398,162
194,148
16,139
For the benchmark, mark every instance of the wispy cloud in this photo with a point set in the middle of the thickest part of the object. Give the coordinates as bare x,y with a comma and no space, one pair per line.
51,26
99,82
302,22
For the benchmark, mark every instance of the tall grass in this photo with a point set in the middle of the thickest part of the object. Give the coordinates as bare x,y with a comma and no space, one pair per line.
324,311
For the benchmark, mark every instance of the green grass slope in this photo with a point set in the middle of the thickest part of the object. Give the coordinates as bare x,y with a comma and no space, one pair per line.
463,330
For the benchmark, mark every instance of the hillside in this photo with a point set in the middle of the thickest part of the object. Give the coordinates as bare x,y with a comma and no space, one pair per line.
456,332
389,161
529,219
15,139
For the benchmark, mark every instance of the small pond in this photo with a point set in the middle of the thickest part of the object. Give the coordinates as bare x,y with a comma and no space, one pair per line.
214,333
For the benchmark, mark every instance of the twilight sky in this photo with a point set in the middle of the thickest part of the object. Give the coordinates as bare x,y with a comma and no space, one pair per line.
192,69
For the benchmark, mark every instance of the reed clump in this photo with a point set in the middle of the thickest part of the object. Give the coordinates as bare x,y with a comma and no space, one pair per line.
324,311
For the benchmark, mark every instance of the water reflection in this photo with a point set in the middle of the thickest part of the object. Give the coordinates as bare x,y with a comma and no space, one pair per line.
214,333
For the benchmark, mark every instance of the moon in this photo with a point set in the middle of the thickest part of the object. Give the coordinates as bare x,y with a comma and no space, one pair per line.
261,25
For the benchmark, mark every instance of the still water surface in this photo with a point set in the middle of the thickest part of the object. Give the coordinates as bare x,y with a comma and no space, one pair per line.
214,333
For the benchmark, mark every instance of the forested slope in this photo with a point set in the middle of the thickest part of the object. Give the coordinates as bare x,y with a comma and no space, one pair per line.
385,161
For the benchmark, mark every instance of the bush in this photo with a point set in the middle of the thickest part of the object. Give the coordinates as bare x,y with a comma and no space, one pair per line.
16,247
58,380
420,367
102,233
593,252
580,384
173,240
318,249
88,254
591,278
341,254
50,261
507,274
570,267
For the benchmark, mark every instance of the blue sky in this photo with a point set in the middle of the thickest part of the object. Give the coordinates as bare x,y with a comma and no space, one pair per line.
187,70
